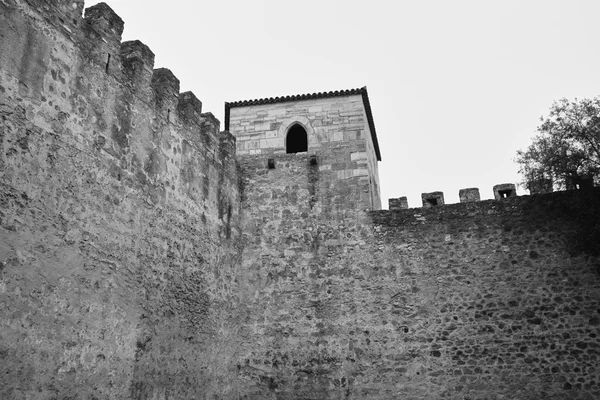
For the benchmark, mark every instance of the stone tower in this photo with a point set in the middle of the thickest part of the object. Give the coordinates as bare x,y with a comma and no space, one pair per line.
328,138
309,168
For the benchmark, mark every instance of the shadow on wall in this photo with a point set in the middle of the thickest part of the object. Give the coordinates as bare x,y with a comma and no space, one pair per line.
578,211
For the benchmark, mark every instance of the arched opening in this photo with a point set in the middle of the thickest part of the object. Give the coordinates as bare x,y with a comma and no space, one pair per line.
296,140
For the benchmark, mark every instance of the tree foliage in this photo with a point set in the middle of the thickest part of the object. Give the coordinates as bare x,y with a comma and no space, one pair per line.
566,149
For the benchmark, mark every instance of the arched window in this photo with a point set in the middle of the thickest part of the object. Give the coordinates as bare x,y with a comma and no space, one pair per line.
296,140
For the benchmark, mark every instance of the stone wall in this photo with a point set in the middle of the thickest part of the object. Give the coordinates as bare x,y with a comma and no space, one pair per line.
138,260
498,299
487,300
290,343
338,134
119,217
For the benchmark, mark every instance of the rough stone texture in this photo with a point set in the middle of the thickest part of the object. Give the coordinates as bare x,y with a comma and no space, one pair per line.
294,340
501,299
398,204
469,195
118,225
540,186
138,260
484,300
432,199
504,190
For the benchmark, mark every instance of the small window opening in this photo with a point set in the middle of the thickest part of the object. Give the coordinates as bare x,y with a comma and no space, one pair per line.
107,64
505,193
432,202
271,163
297,140
313,160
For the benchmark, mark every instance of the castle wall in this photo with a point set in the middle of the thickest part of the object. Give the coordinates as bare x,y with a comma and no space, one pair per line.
486,300
139,260
338,134
289,335
119,217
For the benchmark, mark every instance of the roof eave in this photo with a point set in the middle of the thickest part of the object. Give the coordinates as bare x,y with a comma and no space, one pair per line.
338,93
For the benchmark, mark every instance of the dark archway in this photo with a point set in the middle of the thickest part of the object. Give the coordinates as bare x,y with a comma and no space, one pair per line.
297,140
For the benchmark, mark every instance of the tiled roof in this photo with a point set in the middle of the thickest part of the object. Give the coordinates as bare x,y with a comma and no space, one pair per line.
321,95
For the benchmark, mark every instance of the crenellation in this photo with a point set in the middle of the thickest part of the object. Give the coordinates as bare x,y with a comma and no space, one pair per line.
210,130
540,186
469,195
105,22
144,253
133,222
102,29
432,199
166,91
401,203
504,190
138,64
579,182
189,108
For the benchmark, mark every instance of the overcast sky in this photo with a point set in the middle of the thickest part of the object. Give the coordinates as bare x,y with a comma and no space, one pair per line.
456,87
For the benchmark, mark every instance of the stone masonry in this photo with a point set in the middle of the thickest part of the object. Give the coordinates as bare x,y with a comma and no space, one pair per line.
341,135
145,254
119,210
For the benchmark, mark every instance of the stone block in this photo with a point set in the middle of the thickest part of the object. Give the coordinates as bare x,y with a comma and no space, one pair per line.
360,172
432,199
105,21
261,126
102,29
469,195
271,143
138,63
358,156
505,190
540,186
400,203
166,92
189,108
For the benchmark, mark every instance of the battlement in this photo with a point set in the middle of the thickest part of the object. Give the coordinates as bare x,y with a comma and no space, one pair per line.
544,206
104,22
166,91
98,35
145,253
133,111
540,186
189,107
471,195
138,64
504,190
101,41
